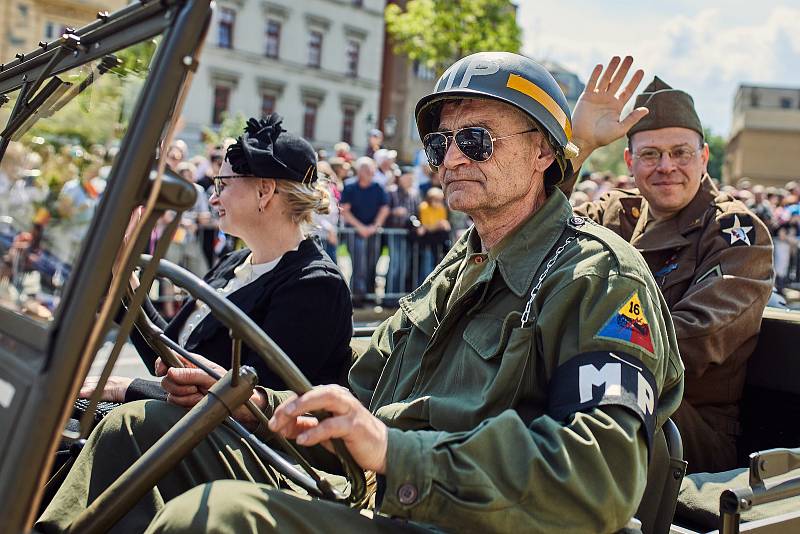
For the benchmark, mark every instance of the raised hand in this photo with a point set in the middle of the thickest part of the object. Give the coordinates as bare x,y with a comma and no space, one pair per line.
596,120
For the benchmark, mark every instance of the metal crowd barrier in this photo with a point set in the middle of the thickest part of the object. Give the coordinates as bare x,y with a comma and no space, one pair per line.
389,264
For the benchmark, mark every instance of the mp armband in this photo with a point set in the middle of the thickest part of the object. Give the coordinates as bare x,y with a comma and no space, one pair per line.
603,378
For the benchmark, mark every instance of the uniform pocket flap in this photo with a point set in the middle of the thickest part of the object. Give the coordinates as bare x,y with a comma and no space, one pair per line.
483,334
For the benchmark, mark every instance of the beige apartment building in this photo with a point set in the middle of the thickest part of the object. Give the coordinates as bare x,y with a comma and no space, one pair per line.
316,62
23,23
764,143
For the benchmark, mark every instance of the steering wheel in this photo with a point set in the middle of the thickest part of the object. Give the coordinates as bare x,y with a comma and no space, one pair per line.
243,328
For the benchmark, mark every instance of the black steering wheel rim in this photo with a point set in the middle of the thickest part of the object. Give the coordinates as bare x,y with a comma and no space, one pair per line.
245,329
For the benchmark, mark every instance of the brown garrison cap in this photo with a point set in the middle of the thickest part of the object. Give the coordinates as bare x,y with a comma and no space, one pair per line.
668,107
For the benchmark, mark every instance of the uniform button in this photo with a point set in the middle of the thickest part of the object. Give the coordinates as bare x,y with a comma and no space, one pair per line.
407,494
577,221
479,260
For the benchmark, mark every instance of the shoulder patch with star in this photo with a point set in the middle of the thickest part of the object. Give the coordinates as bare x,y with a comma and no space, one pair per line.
738,229
629,325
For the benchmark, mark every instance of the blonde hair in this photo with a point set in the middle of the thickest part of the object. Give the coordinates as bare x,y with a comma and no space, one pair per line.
303,200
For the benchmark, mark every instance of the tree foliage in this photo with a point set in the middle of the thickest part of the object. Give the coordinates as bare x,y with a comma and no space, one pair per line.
716,157
231,128
437,32
609,158
101,113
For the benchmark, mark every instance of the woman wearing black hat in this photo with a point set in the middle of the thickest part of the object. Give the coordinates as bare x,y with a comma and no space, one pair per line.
265,194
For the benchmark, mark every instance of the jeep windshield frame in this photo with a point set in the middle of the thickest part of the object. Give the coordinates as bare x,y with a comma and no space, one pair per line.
43,365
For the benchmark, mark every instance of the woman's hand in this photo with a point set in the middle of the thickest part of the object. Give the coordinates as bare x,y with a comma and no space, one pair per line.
188,385
114,391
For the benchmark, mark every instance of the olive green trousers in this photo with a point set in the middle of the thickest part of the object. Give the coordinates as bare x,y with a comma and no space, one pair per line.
221,486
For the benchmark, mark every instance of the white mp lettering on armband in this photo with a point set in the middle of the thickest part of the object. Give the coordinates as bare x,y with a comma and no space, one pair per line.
609,375
645,397
478,67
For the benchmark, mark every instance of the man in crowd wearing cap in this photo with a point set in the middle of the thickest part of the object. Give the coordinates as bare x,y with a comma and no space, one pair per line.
711,257
520,386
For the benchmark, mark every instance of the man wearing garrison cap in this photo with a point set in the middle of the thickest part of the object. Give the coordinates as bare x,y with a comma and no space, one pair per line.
711,257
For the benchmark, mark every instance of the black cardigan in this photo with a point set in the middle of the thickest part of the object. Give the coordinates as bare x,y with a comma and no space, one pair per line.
303,304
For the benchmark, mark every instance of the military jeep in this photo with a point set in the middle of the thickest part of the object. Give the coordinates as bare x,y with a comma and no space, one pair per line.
83,120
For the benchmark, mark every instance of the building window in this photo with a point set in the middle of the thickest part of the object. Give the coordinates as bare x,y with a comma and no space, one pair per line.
358,3
315,49
273,44
222,98
227,20
353,51
23,12
53,30
754,98
786,103
310,109
267,104
348,124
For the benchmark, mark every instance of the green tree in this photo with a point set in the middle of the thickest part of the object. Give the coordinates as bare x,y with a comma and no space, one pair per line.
100,113
716,148
437,32
609,158
232,126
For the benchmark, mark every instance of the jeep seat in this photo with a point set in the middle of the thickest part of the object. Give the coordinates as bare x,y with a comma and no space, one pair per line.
664,475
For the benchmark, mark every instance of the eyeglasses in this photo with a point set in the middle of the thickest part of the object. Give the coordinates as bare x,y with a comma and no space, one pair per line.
219,187
681,155
475,142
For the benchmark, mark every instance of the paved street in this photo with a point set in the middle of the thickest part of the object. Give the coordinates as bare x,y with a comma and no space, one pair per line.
128,363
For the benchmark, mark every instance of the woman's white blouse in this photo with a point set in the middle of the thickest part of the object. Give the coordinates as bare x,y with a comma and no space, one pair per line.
243,275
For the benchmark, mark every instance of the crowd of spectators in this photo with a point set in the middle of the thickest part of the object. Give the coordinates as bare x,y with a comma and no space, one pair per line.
385,208
379,209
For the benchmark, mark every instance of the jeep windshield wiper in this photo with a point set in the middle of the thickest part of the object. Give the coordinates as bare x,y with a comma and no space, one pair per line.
26,105
22,111
61,96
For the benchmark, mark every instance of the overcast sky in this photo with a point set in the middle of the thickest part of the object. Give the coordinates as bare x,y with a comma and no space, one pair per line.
706,48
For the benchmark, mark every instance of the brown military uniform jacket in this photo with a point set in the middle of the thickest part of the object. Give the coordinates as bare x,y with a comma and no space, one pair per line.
713,262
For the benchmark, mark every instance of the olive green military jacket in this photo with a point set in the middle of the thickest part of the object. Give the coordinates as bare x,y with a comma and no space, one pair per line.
713,263
496,425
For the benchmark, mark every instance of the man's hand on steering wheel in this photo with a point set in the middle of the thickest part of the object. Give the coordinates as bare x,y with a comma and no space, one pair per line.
188,385
364,435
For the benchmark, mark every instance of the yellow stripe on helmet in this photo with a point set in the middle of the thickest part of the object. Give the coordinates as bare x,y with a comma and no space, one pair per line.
527,87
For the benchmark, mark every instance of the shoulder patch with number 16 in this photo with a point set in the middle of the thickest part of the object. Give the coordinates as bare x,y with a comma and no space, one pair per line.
629,325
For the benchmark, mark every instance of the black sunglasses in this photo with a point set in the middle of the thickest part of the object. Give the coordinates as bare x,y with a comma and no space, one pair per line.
475,142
